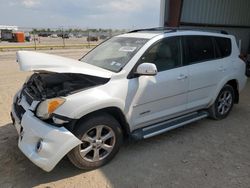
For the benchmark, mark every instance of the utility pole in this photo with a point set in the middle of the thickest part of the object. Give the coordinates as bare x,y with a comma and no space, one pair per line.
63,37
88,39
34,38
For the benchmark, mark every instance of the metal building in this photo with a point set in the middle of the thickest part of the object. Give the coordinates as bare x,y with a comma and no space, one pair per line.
6,32
232,16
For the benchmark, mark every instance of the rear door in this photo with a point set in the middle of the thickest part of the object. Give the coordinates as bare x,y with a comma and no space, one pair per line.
224,48
205,69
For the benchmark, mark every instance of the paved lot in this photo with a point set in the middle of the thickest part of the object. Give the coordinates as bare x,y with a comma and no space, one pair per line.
203,154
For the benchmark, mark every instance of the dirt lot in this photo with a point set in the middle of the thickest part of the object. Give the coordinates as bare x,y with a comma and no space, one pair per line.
48,43
203,154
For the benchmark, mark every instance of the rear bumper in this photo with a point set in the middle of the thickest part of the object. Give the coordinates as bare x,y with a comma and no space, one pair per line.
242,83
45,145
248,68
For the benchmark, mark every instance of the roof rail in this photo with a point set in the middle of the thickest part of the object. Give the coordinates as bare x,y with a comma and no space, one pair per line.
154,29
204,29
174,29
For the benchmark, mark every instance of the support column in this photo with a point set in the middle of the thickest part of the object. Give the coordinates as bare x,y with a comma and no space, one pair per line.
174,13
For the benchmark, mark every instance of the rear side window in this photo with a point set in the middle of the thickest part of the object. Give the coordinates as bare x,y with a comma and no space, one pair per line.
199,48
224,46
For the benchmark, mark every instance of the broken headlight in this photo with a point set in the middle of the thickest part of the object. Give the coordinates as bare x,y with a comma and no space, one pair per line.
47,107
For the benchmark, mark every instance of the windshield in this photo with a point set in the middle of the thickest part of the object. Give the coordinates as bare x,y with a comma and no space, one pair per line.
114,53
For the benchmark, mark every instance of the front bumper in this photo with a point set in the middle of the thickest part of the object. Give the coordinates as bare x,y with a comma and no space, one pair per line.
45,145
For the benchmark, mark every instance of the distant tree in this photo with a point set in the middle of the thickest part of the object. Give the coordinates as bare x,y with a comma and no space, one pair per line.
70,30
34,31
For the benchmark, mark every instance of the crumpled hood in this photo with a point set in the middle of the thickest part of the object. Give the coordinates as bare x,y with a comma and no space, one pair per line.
41,62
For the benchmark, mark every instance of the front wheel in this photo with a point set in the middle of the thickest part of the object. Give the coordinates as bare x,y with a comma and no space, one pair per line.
223,103
101,137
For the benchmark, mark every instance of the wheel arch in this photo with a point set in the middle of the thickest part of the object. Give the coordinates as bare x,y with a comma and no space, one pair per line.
114,112
229,81
235,85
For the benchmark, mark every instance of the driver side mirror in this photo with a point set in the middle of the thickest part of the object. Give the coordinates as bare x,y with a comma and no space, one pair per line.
148,69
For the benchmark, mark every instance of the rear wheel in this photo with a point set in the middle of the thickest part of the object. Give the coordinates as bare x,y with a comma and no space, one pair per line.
101,137
223,103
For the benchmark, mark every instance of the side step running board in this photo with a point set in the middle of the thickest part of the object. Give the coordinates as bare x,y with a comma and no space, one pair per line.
168,125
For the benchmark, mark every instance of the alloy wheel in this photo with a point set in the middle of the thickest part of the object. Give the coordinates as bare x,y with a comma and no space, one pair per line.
97,143
225,102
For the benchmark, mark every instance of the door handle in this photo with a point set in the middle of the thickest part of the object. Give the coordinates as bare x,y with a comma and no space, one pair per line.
221,68
182,77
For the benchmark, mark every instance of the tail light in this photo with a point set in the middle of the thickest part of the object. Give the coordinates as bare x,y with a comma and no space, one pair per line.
243,57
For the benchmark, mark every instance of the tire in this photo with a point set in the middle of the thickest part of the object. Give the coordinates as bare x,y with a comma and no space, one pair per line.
223,103
101,136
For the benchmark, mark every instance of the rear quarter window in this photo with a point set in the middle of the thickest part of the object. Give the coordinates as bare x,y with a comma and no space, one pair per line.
224,46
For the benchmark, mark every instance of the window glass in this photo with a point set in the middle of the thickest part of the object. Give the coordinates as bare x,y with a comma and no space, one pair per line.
114,53
199,48
224,45
166,54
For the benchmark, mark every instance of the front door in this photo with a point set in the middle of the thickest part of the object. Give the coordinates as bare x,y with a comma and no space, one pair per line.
164,95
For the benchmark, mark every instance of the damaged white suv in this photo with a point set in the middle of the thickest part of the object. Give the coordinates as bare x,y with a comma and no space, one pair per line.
136,85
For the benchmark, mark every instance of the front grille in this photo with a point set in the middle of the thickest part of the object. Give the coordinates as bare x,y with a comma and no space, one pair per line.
27,96
19,110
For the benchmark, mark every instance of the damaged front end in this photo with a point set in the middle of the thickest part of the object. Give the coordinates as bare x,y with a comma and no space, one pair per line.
43,86
48,92
53,80
45,137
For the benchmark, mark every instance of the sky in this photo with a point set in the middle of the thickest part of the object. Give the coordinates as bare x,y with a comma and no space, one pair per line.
116,14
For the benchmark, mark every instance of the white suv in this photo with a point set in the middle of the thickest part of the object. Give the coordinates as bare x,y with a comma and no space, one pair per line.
135,85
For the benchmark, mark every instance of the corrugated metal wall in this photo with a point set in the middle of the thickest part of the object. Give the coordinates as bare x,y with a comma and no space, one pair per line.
218,12
221,12
229,12
241,34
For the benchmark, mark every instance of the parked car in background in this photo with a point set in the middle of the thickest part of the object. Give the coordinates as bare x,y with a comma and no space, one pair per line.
54,36
27,36
135,85
92,38
44,34
71,35
79,36
65,36
103,37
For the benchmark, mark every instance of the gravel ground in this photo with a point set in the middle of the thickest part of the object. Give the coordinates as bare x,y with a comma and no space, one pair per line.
203,154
